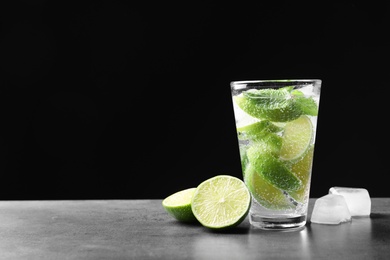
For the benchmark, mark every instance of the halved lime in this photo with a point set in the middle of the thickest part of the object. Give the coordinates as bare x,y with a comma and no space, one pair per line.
302,169
221,202
297,137
272,169
264,192
178,205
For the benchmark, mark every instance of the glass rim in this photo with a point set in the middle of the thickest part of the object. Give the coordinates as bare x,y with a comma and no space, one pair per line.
274,80
239,84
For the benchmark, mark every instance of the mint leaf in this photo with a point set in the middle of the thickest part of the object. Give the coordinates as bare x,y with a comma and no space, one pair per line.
297,93
269,98
276,105
308,106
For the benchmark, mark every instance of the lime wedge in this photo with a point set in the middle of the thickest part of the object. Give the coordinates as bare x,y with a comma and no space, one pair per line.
221,202
257,130
178,205
272,169
302,169
271,143
297,137
264,192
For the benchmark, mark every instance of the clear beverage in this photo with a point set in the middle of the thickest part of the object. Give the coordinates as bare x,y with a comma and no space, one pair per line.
276,124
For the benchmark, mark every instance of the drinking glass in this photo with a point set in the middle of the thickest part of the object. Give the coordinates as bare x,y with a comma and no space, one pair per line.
276,123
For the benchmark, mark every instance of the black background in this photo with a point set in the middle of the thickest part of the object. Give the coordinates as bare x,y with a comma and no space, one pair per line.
108,99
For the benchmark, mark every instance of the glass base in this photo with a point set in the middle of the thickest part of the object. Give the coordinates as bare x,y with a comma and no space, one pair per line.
277,223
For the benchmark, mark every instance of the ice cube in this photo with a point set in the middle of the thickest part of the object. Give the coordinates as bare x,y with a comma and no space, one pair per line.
330,209
358,199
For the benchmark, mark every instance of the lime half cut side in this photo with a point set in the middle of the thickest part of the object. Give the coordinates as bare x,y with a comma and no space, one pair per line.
221,202
178,205
297,138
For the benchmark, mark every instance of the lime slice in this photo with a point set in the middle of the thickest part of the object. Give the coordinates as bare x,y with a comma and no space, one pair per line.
264,192
257,130
272,169
178,205
297,137
221,202
302,169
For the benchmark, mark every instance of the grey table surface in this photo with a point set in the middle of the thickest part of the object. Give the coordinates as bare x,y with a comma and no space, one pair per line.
141,229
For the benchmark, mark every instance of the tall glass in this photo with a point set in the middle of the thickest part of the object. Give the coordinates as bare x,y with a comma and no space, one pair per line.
276,124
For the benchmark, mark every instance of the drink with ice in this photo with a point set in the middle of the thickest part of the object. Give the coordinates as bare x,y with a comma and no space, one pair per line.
276,127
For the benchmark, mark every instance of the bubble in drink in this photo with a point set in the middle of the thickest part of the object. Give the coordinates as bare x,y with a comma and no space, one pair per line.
330,209
358,199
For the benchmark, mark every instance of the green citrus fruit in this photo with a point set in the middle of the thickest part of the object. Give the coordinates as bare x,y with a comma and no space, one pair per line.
178,205
297,137
257,130
272,169
302,169
264,192
221,202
